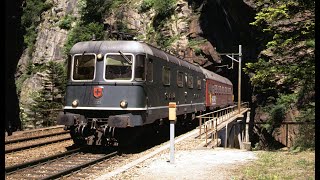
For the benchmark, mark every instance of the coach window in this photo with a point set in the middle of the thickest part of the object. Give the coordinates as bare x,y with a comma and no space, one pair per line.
83,67
190,81
216,89
166,75
199,82
180,79
139,72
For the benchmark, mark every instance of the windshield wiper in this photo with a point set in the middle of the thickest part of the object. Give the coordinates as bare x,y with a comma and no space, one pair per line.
125,57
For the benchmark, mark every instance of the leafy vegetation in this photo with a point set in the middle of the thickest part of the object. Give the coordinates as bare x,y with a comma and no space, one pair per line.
83,32
66,22
195,45
49,99
95,10
163,11
284,75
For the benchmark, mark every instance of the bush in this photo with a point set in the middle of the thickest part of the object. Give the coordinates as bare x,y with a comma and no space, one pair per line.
306,136
145,6
66,22
83,32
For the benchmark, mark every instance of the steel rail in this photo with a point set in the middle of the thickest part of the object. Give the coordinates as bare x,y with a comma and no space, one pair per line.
12,169
35,137
76,168
35,145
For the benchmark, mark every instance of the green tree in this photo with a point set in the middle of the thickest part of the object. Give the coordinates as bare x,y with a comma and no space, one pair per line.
49,100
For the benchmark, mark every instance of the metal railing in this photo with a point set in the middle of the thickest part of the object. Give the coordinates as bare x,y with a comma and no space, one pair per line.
209,122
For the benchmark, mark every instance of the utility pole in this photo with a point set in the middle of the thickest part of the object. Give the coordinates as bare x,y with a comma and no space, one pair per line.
239,54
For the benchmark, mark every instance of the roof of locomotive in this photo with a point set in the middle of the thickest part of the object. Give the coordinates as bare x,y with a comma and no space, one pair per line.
211,75
128,46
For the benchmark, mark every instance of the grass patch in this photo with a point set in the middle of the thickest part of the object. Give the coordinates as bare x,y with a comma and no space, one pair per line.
279,165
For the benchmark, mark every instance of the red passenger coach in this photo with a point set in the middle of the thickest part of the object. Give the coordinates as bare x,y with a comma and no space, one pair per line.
219,90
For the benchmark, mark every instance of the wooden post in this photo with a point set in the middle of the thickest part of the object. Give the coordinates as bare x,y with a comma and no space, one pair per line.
287,135
226,138
206,134
247,126
239,122
200,121
247,144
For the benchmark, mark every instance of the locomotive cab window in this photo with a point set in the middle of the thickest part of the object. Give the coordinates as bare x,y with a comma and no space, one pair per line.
83,67
166,75
118,67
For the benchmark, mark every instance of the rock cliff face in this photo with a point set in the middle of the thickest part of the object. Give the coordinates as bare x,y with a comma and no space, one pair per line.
50,38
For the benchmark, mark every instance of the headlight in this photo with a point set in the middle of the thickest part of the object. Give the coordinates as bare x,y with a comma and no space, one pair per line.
75,103
123,104
99,57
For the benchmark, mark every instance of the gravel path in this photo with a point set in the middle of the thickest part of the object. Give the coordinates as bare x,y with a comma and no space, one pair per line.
191,162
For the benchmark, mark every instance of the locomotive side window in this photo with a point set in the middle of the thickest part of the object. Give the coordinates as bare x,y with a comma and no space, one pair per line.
139,68
190,81
166,75
83,67
150,71
199,82
180,79
118,67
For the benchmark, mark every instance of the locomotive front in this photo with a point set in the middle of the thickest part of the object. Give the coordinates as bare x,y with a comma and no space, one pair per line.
105,91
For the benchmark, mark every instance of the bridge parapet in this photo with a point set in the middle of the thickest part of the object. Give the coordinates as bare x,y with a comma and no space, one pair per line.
212,122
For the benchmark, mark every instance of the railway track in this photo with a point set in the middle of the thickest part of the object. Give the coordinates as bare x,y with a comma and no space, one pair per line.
35,141
34,137
34,132
58,165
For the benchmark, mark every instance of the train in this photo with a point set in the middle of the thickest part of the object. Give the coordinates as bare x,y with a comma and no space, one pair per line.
117,88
